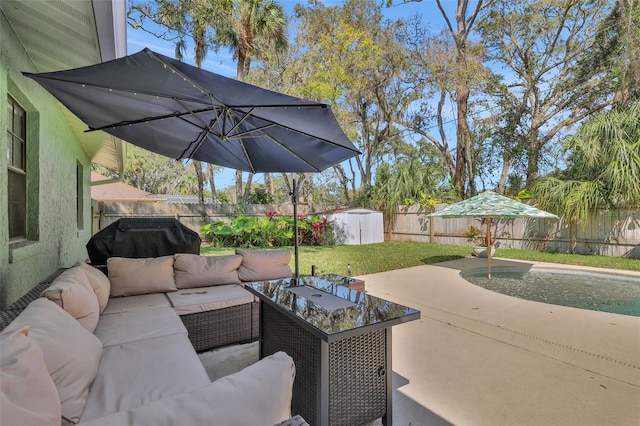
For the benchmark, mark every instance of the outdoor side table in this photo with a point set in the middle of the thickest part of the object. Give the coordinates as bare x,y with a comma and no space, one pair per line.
340,341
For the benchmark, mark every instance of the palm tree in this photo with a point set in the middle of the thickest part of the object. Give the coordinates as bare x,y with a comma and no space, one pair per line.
185,18
251,28
604,167
402,184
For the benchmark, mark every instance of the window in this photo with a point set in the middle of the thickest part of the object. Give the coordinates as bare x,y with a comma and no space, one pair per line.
17,165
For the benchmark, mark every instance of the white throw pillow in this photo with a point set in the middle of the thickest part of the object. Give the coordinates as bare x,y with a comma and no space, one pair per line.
100,283
140,276
193,270
262,265
73,293
28,395
71,353
260,394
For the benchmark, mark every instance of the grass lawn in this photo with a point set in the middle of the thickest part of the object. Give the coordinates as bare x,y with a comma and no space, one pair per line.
372,258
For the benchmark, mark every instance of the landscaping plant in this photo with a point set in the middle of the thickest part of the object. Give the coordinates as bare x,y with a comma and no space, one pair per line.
271,230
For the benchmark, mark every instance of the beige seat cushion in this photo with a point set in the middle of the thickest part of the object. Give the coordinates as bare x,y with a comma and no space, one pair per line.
71,353
140,276
258,395
193,270
123,327
72,291
133,303
203,299
100,283
28,395
137,373
261,265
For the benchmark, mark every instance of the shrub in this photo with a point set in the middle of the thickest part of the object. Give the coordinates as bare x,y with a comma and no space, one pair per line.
272,230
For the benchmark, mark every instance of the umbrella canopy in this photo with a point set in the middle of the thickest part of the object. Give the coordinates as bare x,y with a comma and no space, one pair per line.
490,205
180,111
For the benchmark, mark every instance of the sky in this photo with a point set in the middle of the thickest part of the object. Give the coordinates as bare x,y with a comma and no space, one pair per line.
222,62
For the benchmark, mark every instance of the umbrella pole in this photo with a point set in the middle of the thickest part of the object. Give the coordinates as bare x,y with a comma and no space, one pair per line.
489,247
294,199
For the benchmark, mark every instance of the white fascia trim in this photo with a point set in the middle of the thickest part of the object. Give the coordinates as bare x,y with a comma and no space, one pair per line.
111,25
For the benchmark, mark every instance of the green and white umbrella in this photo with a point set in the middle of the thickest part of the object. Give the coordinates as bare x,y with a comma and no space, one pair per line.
490,205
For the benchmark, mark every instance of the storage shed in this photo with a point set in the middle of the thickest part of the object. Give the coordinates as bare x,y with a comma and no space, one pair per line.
355,226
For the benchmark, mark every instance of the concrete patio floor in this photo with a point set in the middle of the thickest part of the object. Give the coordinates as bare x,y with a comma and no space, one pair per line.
481,358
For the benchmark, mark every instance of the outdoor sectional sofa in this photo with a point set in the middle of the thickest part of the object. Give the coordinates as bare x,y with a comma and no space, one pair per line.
114,350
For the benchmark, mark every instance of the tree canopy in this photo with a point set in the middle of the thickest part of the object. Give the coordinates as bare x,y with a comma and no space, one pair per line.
156,173
490,94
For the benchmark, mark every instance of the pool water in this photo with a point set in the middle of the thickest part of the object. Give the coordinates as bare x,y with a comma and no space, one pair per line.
618,294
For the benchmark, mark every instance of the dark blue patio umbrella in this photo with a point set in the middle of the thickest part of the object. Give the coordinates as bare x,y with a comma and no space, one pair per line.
180,111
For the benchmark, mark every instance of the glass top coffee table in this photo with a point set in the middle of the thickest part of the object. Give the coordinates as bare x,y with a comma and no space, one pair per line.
340,340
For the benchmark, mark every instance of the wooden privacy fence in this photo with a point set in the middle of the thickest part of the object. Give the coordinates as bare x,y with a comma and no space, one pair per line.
608,232
190,215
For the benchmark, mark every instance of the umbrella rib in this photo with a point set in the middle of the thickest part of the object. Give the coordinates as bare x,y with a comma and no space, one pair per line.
156,95
354,149
152,119
208,129
247,133
246,156
244,149
205,126
205,91
259,129
184,77
282,146
109,89
235,126
199,140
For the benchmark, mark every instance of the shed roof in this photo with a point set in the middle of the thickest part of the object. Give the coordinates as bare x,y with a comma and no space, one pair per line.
349,210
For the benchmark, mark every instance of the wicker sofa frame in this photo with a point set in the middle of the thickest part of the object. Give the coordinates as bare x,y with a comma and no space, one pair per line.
236,324
12,311
221,327
206,330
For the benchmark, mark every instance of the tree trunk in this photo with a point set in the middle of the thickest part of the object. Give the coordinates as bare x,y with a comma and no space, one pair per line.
247,187
344,181
462,103
532,163
212,183
462,154
353,178
267,184
308,193
200,177
239,187
504,174
287,182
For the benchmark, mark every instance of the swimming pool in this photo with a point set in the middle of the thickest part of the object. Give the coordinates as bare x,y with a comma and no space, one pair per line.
619,294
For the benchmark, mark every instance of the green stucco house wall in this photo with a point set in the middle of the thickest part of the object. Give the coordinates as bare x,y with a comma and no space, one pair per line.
58,166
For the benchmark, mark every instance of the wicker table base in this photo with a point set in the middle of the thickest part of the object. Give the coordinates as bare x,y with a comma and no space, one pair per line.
342,351
221,327
347,382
